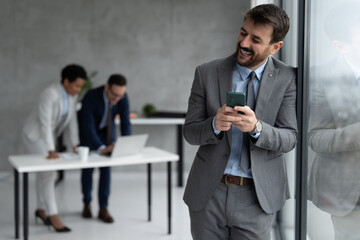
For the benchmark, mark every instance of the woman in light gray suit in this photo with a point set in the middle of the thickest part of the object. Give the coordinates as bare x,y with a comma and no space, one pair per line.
54,114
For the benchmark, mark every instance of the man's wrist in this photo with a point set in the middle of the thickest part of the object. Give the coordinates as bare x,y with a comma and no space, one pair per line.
258,128
253,130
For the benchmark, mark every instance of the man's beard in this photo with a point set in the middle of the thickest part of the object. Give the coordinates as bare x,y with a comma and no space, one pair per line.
254,59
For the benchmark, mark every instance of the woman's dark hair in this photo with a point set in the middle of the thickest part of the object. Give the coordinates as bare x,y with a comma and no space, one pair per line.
72,72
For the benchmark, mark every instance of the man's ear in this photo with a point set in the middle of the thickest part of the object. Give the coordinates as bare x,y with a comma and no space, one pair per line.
106,87
276,47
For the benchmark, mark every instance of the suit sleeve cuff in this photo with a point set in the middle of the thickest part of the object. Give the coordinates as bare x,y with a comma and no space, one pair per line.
255,135
217,132
101,147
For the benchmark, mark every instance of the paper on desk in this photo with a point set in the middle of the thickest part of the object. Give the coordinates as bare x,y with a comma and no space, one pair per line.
69,156
75,156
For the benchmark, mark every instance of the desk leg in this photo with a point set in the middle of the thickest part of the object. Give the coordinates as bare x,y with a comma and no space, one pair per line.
169,196
26,205
180,153
149,190
16,198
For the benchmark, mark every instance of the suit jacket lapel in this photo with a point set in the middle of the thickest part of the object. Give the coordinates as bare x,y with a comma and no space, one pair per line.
60,121
225,78
266,87
225,83
72,105
58,88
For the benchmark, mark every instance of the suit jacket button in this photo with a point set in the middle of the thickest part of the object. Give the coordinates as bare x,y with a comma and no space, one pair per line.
225,156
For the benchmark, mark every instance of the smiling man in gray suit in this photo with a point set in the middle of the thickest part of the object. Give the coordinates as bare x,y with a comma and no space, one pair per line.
238,178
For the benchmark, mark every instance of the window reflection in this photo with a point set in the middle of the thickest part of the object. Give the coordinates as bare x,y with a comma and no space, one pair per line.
334,122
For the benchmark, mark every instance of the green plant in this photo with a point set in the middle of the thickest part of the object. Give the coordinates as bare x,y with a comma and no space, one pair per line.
88,84
149,109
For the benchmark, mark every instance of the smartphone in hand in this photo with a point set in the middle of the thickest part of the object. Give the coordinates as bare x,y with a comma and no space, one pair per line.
235,99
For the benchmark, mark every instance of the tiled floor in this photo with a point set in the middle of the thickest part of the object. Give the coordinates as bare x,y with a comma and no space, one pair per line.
128,205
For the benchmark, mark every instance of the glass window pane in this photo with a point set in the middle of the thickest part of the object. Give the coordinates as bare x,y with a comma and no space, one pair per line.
333,210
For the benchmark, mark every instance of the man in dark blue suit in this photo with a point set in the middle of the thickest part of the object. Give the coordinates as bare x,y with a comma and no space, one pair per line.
97,131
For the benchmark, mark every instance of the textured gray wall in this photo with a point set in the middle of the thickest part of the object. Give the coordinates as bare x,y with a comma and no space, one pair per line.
156,44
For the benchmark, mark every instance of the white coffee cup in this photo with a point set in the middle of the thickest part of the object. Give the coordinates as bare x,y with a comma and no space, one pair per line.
83,153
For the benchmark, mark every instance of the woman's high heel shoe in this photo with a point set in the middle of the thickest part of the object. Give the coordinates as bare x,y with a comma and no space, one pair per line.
60,230
38,215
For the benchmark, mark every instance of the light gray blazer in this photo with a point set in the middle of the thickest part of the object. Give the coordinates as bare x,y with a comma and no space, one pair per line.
44,123
275,107
334,136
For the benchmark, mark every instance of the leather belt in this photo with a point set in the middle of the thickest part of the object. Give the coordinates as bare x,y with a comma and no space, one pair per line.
234,180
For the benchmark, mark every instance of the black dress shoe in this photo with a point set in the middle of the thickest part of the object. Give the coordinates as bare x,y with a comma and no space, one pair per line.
105,216
59,230
38,215
87,211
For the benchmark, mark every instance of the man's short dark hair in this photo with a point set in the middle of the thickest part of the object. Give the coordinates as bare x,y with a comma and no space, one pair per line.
272,15
72,72
117,79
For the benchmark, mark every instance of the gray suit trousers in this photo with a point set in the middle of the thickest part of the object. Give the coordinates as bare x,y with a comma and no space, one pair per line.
233,213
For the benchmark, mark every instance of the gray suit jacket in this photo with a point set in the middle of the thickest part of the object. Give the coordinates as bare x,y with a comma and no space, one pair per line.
334,136
275,107
44,123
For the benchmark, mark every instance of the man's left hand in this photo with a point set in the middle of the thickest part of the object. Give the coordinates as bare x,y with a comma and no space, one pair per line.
247,121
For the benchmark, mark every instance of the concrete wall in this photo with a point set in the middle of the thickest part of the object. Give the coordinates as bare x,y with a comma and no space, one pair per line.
156,44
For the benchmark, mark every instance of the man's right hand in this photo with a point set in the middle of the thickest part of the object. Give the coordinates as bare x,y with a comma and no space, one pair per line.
108,149
224,118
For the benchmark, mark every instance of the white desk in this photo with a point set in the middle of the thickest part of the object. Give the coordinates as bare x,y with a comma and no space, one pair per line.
157,121
36,163
179,122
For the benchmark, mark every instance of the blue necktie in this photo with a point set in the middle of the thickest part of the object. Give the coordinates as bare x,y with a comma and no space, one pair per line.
250,91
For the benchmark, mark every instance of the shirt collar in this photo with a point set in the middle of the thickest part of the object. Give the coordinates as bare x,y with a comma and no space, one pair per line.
106,100
63,92
244,71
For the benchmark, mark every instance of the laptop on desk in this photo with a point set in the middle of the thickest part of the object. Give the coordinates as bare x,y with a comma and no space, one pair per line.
129,145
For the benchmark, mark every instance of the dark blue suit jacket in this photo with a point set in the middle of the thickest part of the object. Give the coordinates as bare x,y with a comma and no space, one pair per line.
91,114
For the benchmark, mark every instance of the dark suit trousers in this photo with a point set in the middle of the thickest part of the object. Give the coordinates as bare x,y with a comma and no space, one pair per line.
104,185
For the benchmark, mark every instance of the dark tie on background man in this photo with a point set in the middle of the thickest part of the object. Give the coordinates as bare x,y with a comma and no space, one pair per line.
250,100
109,126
